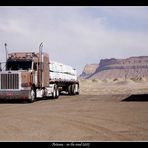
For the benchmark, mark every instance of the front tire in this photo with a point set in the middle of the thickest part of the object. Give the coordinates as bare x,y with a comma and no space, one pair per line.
32,96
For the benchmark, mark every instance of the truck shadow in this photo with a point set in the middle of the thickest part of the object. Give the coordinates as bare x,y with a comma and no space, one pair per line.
20,101
137,97
12,101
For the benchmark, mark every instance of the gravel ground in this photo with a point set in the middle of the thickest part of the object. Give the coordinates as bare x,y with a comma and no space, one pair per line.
83,117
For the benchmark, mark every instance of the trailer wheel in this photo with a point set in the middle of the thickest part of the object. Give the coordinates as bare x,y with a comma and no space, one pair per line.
70,89
77,89
77,93
73,89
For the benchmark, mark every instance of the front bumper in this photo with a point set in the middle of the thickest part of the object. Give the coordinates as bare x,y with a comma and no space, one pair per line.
19,94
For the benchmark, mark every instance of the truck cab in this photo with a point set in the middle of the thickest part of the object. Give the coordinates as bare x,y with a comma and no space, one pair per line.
24,73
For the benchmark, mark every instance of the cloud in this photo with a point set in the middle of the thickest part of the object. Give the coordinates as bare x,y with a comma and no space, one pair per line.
74,35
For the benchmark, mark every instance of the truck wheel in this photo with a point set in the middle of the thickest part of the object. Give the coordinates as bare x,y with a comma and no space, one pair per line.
70,89
57,92
73,89
54,93
77,93
77,90
32,96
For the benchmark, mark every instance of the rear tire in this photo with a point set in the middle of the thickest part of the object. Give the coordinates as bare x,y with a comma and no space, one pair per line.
57,92
54,93
73,89
70,89
77,91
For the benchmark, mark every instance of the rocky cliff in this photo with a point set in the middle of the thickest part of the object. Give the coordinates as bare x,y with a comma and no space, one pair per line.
89,69
133,67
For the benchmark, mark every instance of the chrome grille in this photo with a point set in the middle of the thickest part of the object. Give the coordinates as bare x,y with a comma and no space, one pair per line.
9,81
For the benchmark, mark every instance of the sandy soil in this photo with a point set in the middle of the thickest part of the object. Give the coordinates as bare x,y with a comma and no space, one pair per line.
102,112
109,86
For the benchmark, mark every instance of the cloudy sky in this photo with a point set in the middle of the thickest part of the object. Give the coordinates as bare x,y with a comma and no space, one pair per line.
75,35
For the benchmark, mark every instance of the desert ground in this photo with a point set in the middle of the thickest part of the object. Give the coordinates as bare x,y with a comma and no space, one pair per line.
105,110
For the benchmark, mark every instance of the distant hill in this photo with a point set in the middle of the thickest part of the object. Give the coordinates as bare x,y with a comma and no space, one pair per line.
89,69
133,67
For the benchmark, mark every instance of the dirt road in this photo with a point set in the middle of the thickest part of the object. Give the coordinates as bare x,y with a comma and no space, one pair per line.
76,118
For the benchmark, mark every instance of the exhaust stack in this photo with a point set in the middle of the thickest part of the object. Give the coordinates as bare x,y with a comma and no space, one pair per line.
40,67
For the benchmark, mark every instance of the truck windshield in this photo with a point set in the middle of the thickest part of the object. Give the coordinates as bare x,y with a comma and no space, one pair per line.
18,65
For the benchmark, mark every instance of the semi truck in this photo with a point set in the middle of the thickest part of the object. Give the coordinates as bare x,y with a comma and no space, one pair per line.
30,75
